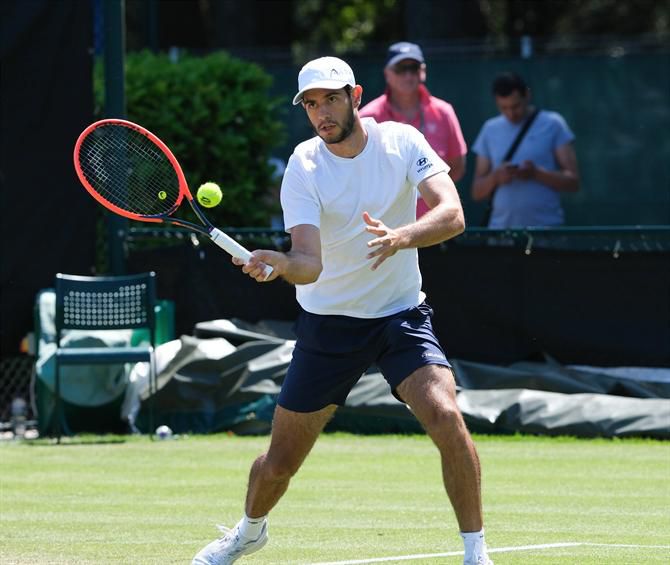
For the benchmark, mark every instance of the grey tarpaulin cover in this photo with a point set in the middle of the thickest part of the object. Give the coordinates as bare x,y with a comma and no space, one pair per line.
200,391
549,398
238,391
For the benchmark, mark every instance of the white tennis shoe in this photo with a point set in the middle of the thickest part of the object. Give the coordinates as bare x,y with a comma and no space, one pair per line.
230,547
479,560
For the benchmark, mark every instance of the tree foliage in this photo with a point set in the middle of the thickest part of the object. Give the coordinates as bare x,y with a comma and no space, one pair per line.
216,116
351,25
311,27
344,26
571,18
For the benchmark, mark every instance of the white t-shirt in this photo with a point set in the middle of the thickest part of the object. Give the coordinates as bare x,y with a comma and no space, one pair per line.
331,193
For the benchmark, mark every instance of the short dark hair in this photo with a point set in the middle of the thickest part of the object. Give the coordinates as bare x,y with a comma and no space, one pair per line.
506,83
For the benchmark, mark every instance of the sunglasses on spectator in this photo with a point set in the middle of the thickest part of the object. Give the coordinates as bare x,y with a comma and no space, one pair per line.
413,68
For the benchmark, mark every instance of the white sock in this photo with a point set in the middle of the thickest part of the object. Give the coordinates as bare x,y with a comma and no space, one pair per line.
473,543
251,528
473,537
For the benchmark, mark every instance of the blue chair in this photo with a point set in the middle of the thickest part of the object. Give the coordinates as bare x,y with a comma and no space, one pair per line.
104,303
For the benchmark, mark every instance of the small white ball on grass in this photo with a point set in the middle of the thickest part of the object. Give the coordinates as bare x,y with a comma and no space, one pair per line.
163,432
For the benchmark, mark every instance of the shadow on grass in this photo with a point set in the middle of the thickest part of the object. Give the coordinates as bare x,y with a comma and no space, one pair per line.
83,440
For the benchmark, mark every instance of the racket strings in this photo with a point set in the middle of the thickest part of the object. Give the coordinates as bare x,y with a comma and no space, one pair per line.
129,170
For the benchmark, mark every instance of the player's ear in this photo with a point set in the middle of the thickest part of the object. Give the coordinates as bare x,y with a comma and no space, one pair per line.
357,96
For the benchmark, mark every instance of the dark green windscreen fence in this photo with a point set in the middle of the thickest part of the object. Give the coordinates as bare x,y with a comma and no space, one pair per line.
617,106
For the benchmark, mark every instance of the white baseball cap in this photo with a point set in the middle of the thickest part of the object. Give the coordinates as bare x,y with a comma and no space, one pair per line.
327,72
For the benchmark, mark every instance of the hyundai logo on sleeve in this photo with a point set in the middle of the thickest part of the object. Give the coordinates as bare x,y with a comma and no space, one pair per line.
423,164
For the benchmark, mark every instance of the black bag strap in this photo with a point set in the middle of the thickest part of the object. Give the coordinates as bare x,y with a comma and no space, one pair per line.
519,136
510,153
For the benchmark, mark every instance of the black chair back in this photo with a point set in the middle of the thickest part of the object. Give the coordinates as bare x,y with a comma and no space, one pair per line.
123,302
106,303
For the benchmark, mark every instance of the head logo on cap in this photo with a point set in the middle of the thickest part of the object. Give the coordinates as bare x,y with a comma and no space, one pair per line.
327,72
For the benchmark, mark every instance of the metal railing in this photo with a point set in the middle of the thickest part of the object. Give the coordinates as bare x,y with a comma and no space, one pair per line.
614,239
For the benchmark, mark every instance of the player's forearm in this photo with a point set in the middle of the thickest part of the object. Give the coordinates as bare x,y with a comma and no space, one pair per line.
300,268
562,181
437,225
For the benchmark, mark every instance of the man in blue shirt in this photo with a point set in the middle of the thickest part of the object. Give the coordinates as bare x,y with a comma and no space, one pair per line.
525,190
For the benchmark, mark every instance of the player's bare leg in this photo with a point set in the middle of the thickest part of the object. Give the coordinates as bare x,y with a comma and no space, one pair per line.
293,436
431,394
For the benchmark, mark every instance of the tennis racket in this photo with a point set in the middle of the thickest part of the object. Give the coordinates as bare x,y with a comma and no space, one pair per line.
131,172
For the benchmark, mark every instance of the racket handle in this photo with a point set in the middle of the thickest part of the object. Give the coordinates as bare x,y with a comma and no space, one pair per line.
231,246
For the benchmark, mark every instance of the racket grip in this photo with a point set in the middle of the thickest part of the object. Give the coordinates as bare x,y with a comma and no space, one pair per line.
231,246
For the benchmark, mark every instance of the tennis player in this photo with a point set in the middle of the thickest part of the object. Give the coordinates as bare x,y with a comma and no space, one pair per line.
349,202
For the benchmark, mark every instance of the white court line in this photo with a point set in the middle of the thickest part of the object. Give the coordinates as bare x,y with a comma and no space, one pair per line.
490,550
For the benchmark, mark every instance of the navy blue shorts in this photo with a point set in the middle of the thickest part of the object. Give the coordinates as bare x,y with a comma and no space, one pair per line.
332,352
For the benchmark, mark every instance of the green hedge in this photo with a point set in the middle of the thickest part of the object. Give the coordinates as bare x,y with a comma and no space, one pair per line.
216,115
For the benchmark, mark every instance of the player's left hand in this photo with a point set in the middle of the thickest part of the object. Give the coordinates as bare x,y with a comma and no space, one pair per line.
387,242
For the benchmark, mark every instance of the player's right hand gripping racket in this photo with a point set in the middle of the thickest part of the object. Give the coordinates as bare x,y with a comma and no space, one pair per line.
131,172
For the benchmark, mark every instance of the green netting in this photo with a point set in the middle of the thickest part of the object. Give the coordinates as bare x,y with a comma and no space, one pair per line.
618,107
616,239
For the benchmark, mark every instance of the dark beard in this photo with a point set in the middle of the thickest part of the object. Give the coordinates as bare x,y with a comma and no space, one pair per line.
347,128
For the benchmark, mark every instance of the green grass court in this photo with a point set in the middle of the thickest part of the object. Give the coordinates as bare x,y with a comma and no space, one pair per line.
358,499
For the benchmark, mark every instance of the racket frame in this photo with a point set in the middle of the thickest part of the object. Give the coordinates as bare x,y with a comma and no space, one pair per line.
220,238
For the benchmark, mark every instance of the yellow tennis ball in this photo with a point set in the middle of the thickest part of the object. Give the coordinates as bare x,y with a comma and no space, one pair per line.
162,195
209,194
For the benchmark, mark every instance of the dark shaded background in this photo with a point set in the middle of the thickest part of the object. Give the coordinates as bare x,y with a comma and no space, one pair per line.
48,222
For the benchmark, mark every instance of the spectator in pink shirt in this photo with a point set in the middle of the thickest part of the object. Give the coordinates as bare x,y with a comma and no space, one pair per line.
408,101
